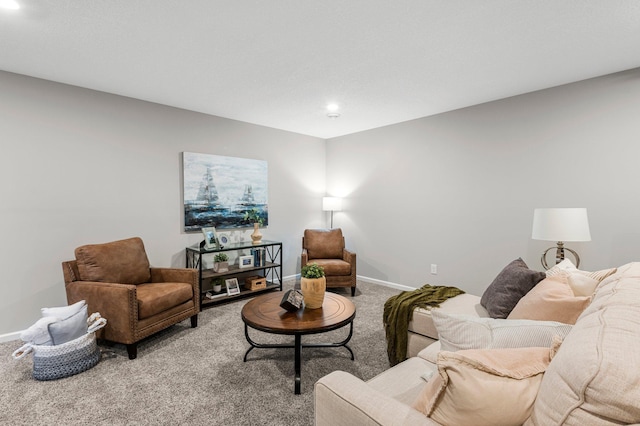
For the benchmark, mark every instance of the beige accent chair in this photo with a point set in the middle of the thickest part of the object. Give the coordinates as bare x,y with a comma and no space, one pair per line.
137,300
326,248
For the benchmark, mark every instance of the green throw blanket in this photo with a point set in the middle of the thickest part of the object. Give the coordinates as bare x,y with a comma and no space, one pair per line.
399,309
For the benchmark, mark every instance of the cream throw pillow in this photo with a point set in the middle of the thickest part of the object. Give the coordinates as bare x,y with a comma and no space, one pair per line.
459,332
583,283
551,300
492,387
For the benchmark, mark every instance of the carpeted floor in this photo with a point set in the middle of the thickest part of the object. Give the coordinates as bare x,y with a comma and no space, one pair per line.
197,376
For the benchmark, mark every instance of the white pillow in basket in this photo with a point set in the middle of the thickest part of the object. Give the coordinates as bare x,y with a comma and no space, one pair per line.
63,312
69,329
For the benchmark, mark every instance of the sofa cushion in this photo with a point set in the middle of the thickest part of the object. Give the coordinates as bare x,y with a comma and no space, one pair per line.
552,299
594,377
154,298
513,282
123,262
460,332
583,283
490,387
324,243
465,304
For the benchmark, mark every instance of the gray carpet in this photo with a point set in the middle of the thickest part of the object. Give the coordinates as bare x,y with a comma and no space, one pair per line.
197,376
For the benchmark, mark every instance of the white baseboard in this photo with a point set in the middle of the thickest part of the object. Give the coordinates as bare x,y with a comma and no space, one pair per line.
10,336
385,283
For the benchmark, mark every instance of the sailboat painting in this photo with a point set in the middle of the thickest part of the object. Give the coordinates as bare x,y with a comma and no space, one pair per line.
219,191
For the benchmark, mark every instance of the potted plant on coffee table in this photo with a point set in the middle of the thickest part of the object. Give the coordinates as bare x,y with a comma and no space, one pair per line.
313,284
220,262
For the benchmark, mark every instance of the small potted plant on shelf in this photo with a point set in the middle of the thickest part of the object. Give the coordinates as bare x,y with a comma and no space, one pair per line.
253,216
220,262
217,284
313,285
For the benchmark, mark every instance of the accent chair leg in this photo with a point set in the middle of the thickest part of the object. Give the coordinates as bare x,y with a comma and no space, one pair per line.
353,291
194,321
132,350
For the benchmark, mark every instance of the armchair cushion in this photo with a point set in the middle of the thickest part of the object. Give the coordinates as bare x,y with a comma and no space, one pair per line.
154,298
333,267
324,243
123,261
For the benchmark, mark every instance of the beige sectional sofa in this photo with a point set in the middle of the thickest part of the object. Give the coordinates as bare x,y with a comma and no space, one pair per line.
593,379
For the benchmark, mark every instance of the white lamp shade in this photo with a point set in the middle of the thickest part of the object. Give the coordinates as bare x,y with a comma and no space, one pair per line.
561,224
333,204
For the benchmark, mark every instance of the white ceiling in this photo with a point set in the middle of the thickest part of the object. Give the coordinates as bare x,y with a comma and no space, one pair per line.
278,63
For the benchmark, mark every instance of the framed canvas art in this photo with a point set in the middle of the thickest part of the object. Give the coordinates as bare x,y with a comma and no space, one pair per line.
219,191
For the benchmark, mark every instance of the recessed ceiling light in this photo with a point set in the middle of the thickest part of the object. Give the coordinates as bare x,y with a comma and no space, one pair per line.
333,115
9,4
332,107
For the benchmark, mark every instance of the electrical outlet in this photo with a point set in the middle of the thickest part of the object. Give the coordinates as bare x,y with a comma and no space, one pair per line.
434,269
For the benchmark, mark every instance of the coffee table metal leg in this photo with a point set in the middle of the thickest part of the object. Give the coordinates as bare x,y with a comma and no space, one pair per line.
298,355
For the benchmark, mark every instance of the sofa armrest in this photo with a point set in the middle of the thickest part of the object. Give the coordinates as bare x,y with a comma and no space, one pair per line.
115,302
343,399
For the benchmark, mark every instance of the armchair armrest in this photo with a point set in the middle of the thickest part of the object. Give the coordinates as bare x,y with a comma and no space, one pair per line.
343,399
115,302
304,258
349,256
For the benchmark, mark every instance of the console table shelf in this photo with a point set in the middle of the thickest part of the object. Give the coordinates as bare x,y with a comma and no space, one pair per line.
271,270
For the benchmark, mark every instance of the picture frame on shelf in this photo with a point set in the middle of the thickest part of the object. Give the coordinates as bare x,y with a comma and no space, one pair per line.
224,238
210,238
232,286
245,261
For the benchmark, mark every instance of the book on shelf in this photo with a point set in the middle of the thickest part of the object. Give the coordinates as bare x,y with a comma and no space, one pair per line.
212,296
259,256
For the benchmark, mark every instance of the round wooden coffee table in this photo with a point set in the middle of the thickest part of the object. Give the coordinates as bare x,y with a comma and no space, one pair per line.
265,314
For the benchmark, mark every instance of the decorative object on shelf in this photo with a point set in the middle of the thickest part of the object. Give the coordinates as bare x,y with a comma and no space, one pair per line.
560,224
255,282
232,286
245,261
217,284
224,238
254,217
210,238
220,262
212,188
331,204
292,300
313,284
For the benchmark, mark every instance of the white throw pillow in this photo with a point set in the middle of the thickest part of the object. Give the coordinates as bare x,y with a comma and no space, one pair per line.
583,283
63,312
461,332
38,333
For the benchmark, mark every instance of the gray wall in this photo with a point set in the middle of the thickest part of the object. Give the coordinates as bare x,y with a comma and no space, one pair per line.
79,167
458,189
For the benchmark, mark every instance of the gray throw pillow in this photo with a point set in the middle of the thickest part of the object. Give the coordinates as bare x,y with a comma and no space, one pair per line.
70,328
511,284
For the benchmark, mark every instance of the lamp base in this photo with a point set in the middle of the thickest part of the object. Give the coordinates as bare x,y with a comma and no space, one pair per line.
559,255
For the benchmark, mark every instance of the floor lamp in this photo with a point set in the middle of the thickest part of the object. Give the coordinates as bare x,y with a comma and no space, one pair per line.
560,225
331,204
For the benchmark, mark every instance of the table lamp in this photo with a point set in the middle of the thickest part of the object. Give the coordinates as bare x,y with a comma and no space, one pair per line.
560,224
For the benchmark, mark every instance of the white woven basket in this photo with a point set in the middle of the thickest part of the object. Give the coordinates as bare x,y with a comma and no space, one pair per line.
67,359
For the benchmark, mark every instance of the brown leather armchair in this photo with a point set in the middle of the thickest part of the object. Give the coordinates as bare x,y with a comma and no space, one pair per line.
137,300
326,248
